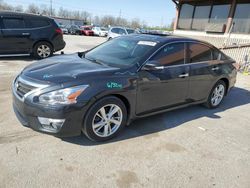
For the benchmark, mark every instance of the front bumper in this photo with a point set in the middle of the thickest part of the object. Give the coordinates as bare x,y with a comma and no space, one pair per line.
28,112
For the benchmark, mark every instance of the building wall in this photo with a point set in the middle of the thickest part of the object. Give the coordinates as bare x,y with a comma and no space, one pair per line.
223,40
65,21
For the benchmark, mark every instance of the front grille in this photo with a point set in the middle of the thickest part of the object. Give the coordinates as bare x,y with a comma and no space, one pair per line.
22,88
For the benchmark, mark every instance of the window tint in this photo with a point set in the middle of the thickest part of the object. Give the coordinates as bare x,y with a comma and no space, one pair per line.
201,16
13,23
115,30
220,14
242,18
172,54
34,23
185,18
195,16
198,53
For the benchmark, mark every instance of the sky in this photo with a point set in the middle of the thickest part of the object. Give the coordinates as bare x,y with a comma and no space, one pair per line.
154,13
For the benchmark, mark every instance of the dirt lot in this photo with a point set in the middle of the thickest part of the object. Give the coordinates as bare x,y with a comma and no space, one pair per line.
192,147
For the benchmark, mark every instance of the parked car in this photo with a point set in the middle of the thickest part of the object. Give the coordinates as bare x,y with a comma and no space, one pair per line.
119,31
64,29
74,30
119,81
24,34
100,31
86,30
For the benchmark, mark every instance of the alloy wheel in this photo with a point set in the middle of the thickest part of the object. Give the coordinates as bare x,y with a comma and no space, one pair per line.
107,120
218,95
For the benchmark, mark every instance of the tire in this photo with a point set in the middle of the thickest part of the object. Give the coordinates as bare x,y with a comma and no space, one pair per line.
212,103
38,50
97,128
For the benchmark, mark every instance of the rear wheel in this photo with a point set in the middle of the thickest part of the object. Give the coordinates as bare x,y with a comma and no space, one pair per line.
105,119
42,50
216,95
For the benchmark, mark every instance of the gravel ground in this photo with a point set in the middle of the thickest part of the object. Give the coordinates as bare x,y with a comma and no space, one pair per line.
191,147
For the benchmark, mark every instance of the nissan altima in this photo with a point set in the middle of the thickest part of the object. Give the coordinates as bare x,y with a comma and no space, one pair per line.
99,91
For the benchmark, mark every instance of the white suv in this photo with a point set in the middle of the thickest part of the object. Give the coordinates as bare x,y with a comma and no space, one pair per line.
119,31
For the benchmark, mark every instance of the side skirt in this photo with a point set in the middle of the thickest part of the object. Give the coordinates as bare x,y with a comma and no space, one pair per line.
164,110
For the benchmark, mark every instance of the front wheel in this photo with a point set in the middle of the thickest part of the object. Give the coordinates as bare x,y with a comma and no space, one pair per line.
216,95
105,119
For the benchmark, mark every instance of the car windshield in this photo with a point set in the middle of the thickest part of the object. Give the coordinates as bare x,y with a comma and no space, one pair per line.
120,52
103,29
86,28
130,31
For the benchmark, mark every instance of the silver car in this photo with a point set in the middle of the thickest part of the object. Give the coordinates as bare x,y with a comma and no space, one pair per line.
64,29
119,31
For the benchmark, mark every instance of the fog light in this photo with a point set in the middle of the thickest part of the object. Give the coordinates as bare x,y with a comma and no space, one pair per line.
51,124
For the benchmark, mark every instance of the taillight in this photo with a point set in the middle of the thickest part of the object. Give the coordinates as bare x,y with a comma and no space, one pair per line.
59,31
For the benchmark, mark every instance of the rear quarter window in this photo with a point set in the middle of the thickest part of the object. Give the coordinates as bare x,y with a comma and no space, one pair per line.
218,55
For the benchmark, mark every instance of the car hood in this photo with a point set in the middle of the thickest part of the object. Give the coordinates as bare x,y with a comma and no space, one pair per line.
65,68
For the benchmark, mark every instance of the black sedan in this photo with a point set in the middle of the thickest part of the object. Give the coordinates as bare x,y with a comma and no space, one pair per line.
100,91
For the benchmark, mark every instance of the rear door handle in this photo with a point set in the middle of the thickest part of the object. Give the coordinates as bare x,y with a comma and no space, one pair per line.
215,68
25,34
183,75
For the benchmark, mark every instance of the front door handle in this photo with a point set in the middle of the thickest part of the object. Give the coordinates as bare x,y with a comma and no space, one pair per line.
183,75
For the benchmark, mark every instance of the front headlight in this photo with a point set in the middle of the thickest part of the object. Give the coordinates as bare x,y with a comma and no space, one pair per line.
62,96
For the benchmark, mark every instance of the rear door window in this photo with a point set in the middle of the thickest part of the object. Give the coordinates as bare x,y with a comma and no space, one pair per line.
172,54
199,53
13,23
36,23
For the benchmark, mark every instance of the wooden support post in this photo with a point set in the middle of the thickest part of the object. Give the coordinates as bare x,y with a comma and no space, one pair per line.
230,17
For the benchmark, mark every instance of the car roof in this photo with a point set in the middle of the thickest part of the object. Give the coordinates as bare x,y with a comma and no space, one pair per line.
9,13
164,38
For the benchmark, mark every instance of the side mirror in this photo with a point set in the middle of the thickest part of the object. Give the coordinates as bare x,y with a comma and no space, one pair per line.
82,54
152,65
